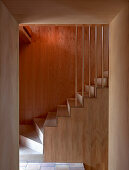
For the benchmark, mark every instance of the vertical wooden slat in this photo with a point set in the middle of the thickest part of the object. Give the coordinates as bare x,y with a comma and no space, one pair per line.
96,61
83,53
108,59
102,53
76,67
89,57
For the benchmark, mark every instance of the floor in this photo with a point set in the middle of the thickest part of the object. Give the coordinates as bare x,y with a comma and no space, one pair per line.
51,166
27,155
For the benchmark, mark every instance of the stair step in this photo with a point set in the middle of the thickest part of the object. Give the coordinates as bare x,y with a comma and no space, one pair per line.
71,104
51,120
39,123
100,80
80,98
106,74
92,90
62,111
30,139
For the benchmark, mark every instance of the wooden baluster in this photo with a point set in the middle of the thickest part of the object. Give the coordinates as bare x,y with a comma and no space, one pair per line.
89,57
108,60
83,53
76,66
96,61
102,54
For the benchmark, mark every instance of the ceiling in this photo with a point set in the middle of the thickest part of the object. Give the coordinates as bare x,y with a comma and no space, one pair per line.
64,11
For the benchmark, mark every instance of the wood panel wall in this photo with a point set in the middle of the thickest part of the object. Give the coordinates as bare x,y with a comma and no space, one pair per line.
47,67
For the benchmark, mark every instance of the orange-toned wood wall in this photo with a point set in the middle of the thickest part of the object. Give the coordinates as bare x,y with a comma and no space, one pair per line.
47,67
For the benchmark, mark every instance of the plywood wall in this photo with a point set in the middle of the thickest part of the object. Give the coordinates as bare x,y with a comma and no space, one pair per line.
119,92
9,113
47,67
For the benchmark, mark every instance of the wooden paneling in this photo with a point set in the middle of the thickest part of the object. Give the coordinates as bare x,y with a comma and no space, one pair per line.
47,67
9,113
83,137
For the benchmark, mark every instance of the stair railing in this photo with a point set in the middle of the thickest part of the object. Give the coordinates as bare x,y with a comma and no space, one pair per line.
97,63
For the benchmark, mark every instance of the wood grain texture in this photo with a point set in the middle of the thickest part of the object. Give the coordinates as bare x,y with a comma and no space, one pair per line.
83,137
9,106
47,67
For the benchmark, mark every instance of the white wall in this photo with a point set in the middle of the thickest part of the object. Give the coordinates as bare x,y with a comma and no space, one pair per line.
119,92
8,91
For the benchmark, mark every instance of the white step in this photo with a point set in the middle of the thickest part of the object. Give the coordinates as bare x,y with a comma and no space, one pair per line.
30,139
62,111
101,81
39,123
51,120
90,88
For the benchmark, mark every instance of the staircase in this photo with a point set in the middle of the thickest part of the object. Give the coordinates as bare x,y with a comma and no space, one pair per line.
40,136
78,131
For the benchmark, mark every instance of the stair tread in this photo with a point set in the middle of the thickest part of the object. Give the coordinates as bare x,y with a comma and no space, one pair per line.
99,81
51,120
40,123
90,90
86,94
92,85
101,78
62,111
71,102
29,132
